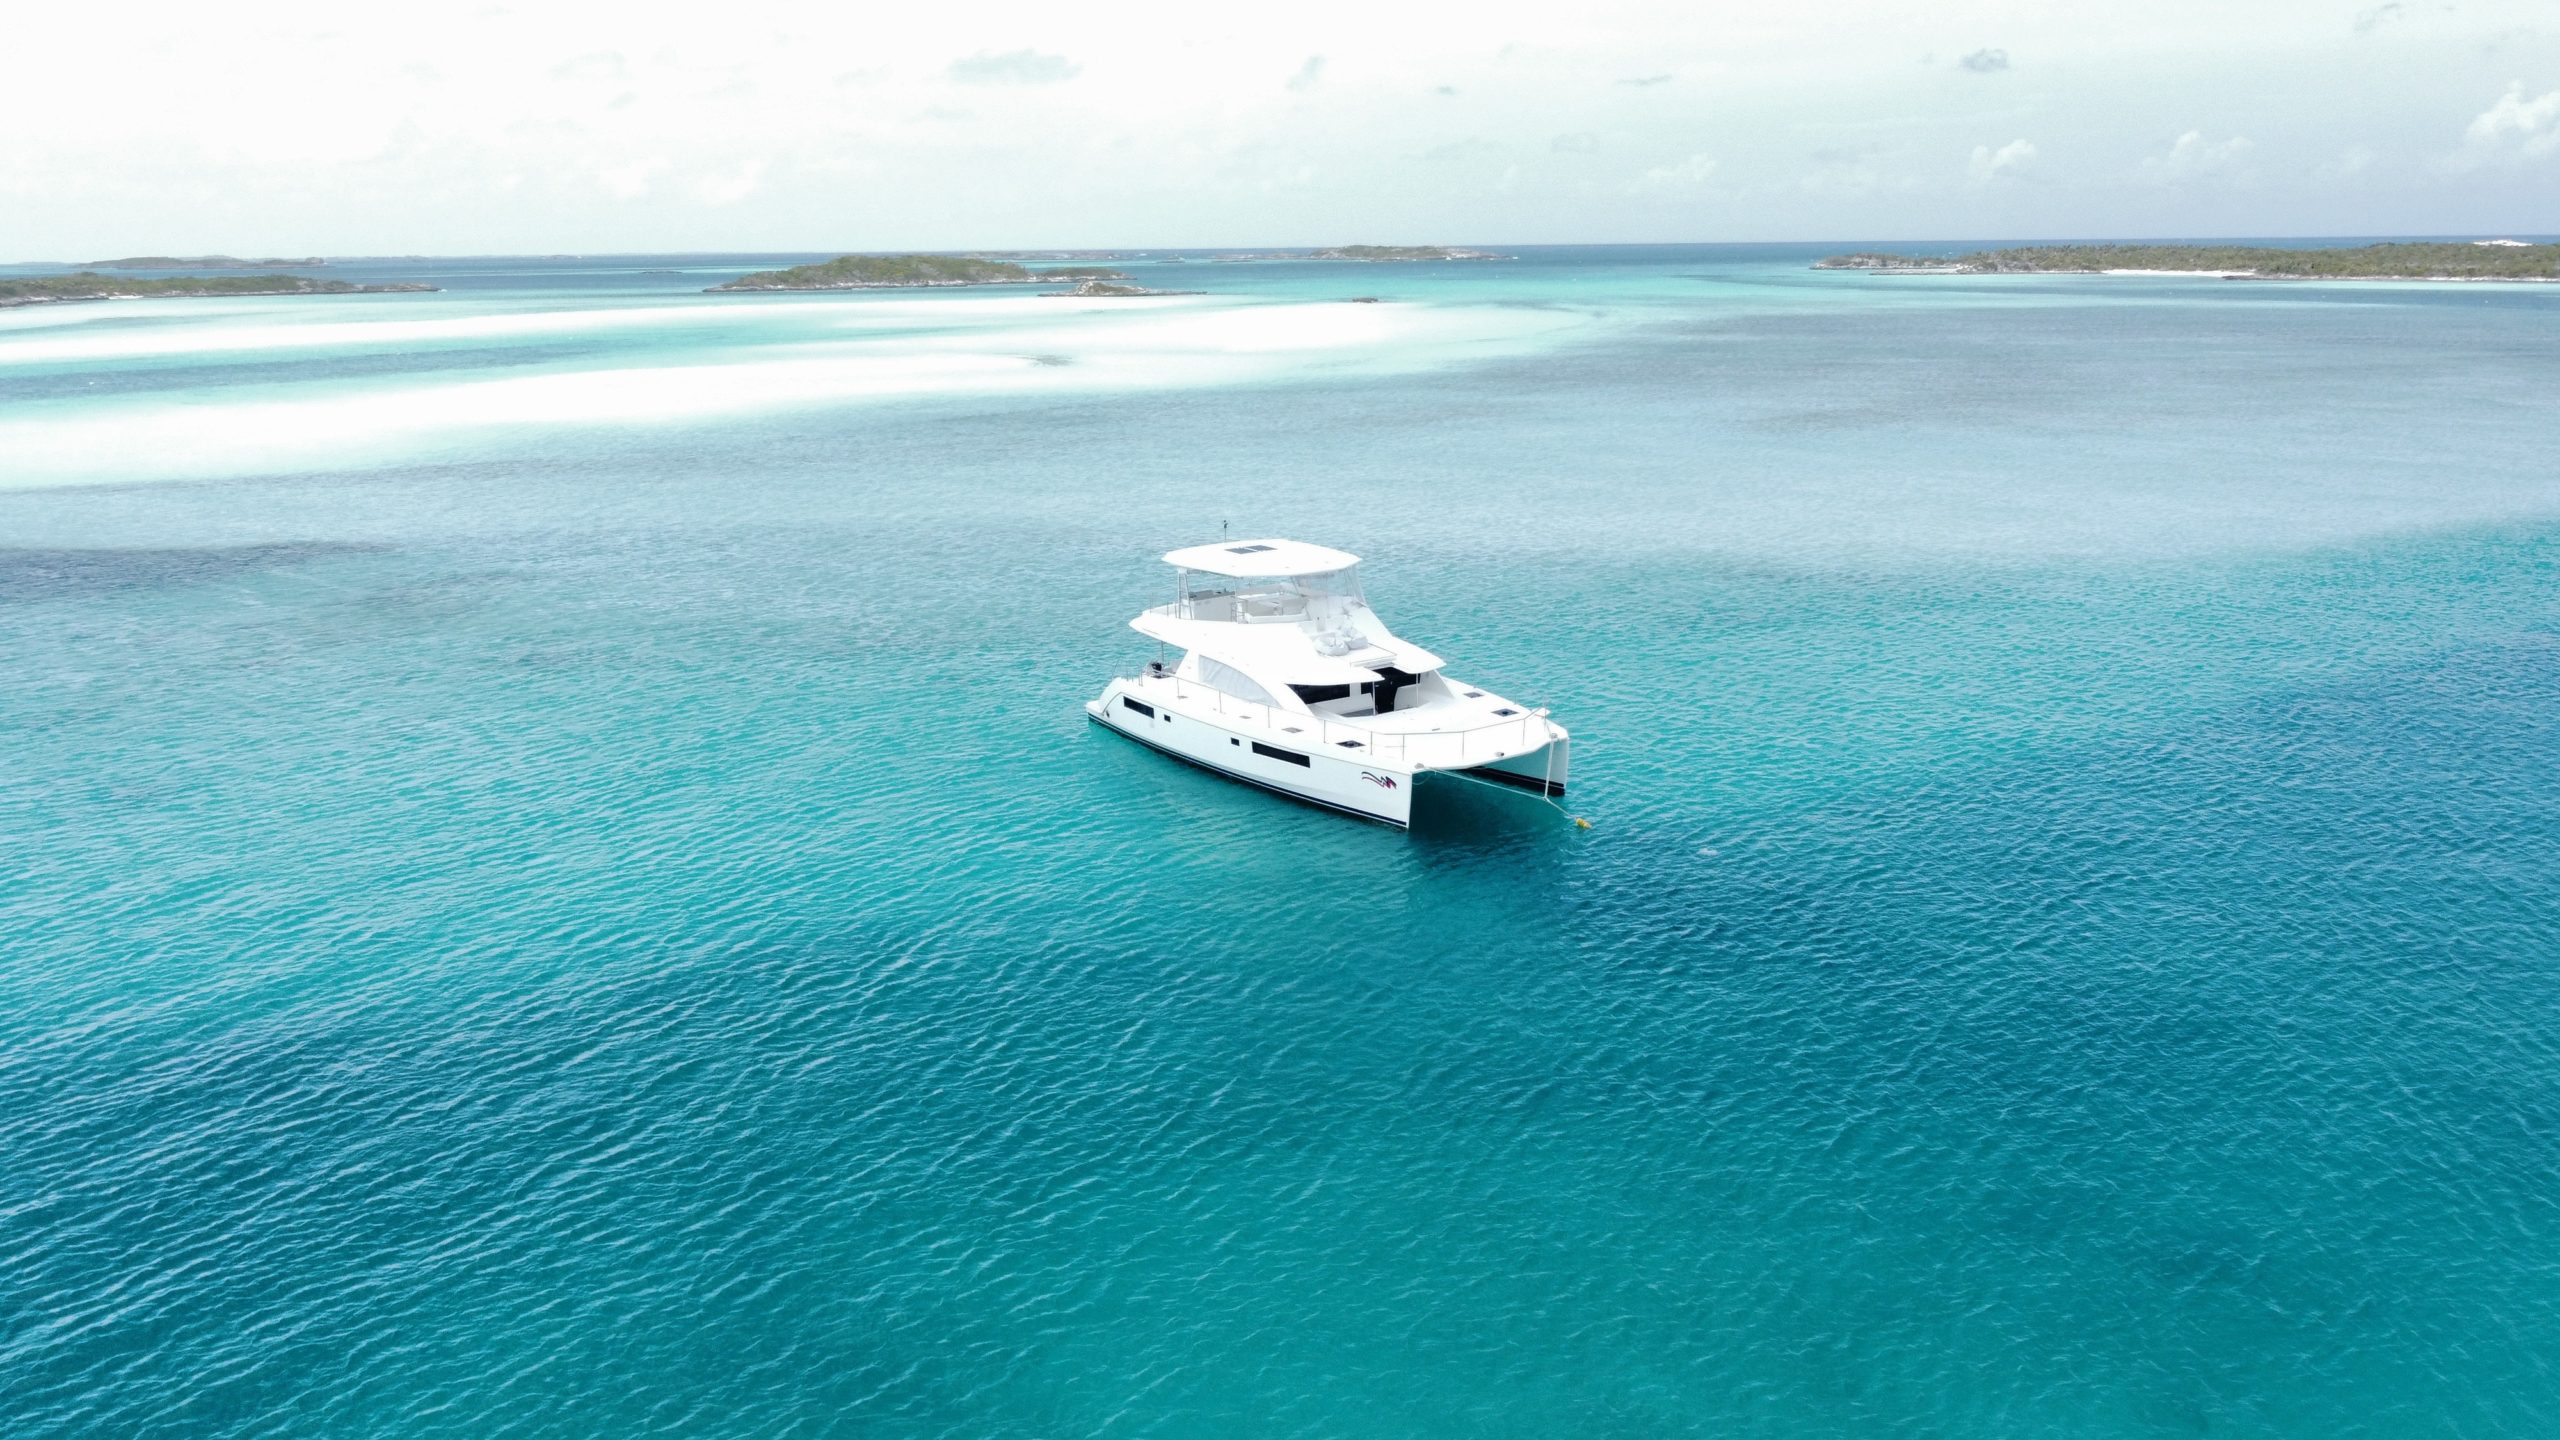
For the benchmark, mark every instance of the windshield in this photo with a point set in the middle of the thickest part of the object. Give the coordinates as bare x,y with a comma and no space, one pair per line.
1284,598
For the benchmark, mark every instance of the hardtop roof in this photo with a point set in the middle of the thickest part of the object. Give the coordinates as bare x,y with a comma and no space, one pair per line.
1261,559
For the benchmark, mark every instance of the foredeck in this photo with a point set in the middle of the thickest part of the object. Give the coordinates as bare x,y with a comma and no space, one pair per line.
1445,717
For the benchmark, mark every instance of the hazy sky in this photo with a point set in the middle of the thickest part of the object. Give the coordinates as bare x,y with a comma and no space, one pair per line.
294,128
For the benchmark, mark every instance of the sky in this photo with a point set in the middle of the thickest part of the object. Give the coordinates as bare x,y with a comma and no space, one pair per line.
294,128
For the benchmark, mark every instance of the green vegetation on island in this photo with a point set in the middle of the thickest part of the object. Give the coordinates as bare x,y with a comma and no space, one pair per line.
2402,260
884,272
90,285
1110,289
1094,289
1400,252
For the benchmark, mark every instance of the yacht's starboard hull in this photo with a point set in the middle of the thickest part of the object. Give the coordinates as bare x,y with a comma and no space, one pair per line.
1540,772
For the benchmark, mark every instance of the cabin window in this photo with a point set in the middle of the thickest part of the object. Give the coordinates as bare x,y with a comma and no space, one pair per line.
1233,681
1141,706
1289,755
1318,694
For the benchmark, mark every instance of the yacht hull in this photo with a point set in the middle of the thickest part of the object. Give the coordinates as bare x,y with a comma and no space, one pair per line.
1289,682
1364,788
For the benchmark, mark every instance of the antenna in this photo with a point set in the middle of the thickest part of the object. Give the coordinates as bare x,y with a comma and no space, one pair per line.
1222,531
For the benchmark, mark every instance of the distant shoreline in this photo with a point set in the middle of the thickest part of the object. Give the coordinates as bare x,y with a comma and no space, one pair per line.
929,271
204,262
88,285
2494,262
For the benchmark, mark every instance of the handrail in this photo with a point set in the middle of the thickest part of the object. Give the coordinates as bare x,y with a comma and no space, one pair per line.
1189,607
1385,744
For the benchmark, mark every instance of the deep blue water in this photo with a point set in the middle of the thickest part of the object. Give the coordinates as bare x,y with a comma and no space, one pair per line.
535,912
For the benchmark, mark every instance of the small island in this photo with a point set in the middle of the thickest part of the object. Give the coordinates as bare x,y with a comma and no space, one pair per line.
1400,252
2401,260
904,272
90,285
1109,289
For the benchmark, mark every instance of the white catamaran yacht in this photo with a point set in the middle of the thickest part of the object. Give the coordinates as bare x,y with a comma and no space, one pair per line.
1288,681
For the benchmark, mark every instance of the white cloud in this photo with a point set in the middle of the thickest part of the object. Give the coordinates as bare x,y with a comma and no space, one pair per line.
595,65
2515,125
2194,158
305,126
2010,162
629,182
1985,62
731,188
2352,161
1681,177
1848,173
1013,67
1308,75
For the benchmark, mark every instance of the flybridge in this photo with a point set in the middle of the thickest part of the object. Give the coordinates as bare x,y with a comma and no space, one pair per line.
1286,614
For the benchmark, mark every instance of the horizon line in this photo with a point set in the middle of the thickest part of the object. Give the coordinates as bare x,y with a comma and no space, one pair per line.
2441,237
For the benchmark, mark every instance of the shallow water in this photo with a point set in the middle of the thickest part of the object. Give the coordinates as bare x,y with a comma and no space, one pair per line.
559,885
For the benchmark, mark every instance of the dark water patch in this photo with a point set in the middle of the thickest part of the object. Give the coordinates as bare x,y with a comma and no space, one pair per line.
66,574
1963,364
355,1143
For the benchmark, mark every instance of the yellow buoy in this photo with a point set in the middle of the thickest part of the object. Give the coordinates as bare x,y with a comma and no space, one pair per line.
1578,820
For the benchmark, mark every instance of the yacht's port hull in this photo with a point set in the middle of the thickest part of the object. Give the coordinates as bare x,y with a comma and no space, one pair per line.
1193,725
1362,787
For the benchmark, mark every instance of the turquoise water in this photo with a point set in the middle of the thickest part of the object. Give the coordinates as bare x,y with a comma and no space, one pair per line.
558,884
